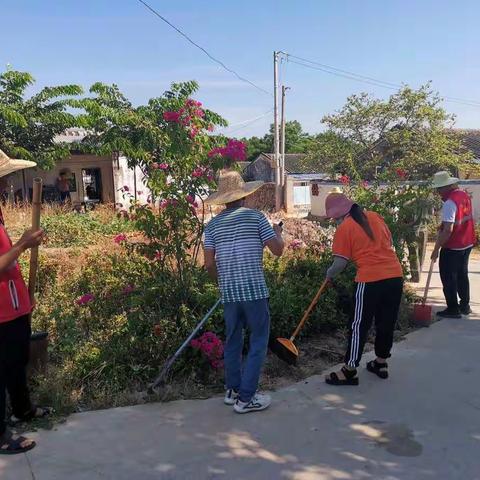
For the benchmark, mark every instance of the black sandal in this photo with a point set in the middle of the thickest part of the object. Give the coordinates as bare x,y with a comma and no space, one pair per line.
350,378
34,413
13,446
379,369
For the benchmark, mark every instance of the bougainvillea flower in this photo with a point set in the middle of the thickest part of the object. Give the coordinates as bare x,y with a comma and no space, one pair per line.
128,289
121,237
192,103
186,120
344,179
296,244
198,172
234,150
211,346
84,299
172,116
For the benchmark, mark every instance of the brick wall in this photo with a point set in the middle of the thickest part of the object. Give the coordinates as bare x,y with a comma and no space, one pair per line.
263,198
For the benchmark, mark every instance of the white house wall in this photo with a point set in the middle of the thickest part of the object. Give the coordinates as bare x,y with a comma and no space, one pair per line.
123,176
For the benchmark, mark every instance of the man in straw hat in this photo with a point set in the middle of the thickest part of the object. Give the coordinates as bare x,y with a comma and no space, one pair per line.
15,308
455,240
234,243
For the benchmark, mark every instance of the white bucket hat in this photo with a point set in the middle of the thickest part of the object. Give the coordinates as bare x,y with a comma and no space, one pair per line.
443,179
9,165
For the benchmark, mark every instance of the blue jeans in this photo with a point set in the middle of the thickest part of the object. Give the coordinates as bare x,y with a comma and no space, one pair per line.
255,317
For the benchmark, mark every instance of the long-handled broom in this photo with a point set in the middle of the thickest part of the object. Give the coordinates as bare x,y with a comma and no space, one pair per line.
284,348
422,313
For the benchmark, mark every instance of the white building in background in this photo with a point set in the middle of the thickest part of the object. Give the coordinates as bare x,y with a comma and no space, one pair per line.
93,178
298,179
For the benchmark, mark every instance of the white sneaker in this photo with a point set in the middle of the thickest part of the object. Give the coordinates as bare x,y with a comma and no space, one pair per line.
257,403
231,396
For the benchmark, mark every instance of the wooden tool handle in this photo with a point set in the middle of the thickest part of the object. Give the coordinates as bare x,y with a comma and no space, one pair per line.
308,310
427,285
36,207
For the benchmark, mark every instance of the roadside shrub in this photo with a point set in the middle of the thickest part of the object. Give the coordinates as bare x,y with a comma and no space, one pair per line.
114,321
294,279
71,229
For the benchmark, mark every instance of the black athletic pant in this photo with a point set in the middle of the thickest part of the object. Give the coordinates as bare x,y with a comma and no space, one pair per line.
14,356
379,300
454,275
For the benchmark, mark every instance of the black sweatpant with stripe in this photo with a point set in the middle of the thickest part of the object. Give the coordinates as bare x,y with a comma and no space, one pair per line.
374,300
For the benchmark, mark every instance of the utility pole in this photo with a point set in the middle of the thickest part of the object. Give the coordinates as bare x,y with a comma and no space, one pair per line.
276,145
282,140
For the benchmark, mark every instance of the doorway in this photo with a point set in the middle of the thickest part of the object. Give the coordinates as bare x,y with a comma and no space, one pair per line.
92,184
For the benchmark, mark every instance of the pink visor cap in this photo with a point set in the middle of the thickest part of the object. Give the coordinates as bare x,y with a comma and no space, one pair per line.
337,205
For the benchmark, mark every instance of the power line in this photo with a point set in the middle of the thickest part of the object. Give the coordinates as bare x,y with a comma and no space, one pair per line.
366,79
219,62
350,77
345,72
247,123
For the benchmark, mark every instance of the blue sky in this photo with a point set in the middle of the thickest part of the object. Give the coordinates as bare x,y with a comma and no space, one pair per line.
120,41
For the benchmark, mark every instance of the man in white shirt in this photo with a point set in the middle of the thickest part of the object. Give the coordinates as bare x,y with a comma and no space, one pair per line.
456,238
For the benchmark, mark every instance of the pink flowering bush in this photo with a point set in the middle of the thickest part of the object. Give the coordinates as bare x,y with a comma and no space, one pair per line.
120,238
85,299
211,346
296,244
159,166
234,151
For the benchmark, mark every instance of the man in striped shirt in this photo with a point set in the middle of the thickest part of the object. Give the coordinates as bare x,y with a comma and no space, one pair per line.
234,243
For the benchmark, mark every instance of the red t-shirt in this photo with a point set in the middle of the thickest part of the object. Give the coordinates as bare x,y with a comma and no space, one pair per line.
14,297
375,259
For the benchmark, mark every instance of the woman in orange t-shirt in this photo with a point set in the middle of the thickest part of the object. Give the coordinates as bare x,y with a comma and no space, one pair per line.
364,238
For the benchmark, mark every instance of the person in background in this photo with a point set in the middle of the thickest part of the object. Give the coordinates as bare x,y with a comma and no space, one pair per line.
234,244
455,240
15,331
363,238
63,185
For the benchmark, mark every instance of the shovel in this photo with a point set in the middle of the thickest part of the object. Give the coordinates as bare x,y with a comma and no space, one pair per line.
284,348
422,313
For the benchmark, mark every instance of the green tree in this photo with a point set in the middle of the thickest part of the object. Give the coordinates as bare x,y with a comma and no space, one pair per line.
408,131
296,141
28,125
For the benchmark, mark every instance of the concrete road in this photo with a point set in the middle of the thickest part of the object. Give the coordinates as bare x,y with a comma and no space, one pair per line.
421,424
